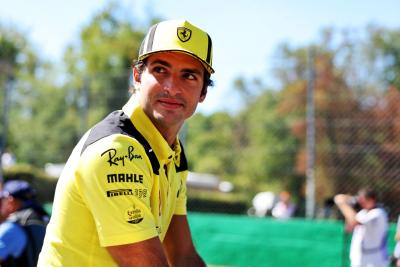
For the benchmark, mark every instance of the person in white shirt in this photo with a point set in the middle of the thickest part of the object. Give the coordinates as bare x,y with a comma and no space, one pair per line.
369,246
284,208
396,253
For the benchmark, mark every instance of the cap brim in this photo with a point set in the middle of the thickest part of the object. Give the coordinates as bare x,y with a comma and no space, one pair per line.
208,68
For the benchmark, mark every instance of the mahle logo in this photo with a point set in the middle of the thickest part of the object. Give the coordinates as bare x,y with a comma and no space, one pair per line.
184,34
124,178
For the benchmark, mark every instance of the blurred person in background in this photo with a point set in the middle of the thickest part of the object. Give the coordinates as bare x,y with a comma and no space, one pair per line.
8,159
396,252
369,243
121,198
23,225
284,208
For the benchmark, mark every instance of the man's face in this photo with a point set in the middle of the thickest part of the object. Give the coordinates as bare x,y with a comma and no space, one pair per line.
1,209
169,88
365,203
7,206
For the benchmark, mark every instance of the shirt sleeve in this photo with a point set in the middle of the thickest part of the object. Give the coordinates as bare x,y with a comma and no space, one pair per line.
115,180
12,240
368,217
398,225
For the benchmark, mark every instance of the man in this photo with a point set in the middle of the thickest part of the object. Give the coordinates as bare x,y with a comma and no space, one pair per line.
284,208
121,199
22,232
370,227
396,252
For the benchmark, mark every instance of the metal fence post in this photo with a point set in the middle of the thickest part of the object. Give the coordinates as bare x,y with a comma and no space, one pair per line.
310,172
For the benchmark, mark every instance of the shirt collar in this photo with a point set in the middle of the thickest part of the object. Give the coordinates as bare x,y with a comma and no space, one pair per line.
144,125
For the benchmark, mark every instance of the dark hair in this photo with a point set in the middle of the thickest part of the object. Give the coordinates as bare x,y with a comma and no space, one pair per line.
368,193
141,64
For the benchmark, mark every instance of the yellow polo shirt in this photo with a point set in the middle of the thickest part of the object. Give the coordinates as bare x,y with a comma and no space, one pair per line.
122,184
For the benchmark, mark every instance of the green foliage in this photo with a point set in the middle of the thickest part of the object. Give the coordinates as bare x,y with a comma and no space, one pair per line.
49,136
263,147
30,89
12,43
48,116
386,44
209,141
16,54
253,149
269,150
101,63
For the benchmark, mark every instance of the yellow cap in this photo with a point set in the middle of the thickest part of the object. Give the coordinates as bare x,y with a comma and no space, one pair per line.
178,35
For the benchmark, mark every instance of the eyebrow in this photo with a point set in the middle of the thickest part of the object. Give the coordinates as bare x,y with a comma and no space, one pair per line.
166,64
161,62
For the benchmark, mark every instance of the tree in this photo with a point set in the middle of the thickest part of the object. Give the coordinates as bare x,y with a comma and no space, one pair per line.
350,99
385,53
30,87
268,149
99,67
9,49
209,142
58,108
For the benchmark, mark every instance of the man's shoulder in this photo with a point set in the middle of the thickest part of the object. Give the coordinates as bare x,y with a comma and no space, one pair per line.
13,240
365,216
33,215
379,211
115,123
117,139
11,229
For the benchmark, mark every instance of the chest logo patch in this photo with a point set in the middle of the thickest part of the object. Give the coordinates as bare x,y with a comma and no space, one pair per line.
118,158
184,34
134,215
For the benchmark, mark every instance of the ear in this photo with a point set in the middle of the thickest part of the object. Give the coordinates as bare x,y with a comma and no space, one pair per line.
136,75
136,78
203,96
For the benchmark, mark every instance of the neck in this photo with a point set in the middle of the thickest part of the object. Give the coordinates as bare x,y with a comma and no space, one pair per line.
370,207
169,134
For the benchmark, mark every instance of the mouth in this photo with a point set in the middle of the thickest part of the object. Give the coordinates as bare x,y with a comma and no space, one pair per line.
170,103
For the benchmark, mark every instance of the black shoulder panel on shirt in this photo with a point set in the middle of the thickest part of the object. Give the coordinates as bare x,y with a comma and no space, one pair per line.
183,166
118,122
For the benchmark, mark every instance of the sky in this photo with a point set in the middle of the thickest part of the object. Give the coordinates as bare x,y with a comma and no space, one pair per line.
245,33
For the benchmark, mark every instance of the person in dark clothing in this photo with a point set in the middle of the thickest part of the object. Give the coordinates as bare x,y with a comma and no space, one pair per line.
23,225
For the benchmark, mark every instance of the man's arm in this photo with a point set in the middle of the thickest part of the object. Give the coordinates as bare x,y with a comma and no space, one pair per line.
179,246
397,236
342,201
145,253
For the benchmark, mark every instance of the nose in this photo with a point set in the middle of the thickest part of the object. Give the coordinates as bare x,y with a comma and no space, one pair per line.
171,85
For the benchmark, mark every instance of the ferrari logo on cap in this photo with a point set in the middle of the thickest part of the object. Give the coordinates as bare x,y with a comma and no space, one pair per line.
184,34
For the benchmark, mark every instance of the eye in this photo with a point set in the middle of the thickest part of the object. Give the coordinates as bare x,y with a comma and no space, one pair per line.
189,76
159,69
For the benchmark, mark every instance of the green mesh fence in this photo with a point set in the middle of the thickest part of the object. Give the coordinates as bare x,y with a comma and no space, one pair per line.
234,240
